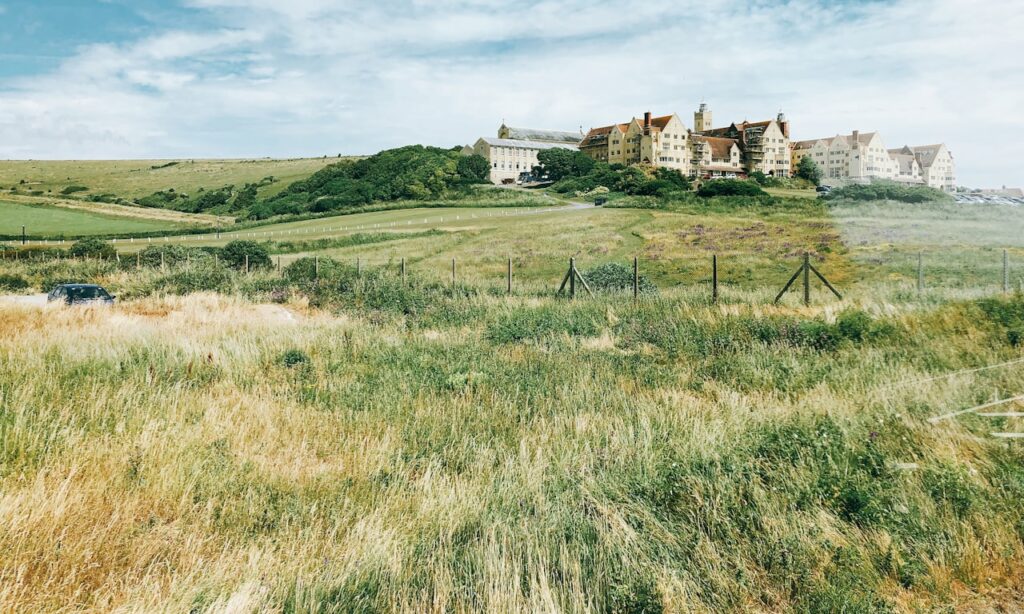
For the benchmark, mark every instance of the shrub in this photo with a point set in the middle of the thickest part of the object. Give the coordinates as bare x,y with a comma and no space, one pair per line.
888,190
13,282
293,357
71,189
234,255
305,269
729,187
92,248
171,255
615,276
527,323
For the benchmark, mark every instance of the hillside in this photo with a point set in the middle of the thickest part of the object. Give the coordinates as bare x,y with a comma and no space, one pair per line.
133,179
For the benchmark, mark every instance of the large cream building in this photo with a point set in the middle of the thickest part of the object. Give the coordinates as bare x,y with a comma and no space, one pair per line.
658,141
734,151
763,145
862,157
514,152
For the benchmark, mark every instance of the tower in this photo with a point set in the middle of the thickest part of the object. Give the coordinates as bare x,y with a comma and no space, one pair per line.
702,118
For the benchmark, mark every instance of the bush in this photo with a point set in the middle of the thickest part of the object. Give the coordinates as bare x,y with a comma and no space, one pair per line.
71,189
729,187
92,248
888,190
172,255
293,357
305,269
13,283
234,255
528,323
615,276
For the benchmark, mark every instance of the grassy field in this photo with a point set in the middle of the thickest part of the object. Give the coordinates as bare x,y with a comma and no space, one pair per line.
48,219
222,441
478,453
132,179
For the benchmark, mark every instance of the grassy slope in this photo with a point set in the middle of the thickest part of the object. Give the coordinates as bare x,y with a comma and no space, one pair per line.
49,219
136,178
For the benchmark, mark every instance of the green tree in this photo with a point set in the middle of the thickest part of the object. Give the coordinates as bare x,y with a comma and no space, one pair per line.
808,169
233,254
673,177
92,248
558,163
245,198
759,177
473,169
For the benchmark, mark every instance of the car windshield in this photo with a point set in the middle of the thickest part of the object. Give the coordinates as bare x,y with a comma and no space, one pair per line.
87,293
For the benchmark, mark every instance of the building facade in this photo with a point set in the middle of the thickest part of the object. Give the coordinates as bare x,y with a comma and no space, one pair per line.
764,146
657,141
512,156
861,157
935,165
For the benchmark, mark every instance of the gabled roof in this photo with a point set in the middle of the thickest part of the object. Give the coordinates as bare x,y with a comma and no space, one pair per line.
720,147
496,142
925,154
533,134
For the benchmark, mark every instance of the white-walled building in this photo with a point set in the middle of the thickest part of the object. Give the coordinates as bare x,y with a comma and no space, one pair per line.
515,150
935,165
862,157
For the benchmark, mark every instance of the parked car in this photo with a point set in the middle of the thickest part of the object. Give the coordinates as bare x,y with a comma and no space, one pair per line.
600,200
823,189
80,294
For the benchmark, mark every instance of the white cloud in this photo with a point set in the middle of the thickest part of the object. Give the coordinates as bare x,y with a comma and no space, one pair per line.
319,76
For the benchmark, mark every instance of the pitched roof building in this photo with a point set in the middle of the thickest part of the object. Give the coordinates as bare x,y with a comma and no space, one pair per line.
512,157
763,145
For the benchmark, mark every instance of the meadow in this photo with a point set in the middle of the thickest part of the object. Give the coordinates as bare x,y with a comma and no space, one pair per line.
351,441
50,220
133,179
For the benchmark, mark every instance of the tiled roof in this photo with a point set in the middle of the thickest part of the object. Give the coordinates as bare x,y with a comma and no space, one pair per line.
496,142
532,134
720,147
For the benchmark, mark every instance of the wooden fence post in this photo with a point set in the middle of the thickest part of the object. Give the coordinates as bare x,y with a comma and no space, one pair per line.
453,272
508,276
636,278
572,277
807,278
403,271
316,267
247,263
359,267
714,278
163,265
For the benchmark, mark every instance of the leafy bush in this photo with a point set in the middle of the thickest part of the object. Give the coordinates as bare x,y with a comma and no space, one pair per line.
729,187
71,189
888,190
293,358
305,269
234,255
92,248
12,282
615,276
171,255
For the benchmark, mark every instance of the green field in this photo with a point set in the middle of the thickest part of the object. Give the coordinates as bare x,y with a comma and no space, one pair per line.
132,179
47,220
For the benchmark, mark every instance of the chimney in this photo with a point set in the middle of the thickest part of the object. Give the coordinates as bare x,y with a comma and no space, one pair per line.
856,133
647,119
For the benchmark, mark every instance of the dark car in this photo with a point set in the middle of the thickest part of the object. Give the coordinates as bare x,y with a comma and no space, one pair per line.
823,189
80,294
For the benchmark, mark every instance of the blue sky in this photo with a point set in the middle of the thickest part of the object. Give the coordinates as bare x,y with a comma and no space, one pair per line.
247,78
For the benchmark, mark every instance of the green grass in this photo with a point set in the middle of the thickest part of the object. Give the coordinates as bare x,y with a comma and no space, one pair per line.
417,448
48,220
133,179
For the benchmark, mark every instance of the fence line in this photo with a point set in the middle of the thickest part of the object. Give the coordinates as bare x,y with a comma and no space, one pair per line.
243,234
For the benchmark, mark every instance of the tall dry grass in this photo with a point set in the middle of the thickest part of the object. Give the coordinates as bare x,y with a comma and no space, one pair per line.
203,453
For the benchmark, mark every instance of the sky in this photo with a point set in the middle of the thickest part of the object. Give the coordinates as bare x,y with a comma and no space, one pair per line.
103,79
